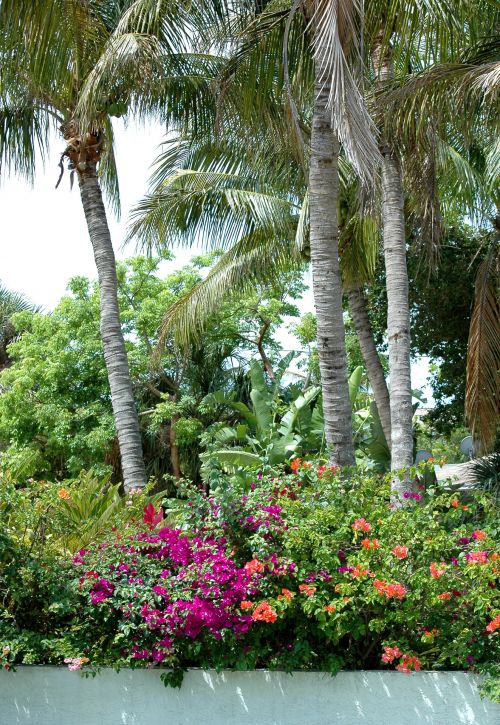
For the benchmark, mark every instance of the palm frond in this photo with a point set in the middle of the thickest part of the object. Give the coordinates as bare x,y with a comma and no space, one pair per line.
254,259
337,50
207,208
108,172
24,129
482,394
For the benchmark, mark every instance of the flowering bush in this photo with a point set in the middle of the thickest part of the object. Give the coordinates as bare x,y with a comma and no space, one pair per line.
297,571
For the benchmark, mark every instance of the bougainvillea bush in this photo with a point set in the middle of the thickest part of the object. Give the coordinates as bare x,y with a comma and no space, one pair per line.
301,570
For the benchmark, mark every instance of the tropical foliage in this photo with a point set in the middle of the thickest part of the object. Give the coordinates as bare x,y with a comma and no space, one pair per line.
180,488
285,572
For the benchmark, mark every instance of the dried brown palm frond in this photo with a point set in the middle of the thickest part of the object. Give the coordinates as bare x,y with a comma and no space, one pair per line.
482,394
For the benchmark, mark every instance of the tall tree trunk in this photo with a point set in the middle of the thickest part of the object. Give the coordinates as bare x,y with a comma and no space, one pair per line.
175,459
115,355
359,313
398,313
327,287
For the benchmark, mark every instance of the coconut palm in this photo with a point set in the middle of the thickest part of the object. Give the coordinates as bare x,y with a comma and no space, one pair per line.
319,42
458,99
339,101
47,50
264,230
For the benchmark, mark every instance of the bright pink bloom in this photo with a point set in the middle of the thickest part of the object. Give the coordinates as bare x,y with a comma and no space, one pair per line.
390,654
477,557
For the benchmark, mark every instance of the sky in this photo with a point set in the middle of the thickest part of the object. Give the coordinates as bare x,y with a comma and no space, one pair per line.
44,237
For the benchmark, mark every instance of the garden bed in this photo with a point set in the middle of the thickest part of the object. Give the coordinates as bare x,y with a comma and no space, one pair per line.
43,695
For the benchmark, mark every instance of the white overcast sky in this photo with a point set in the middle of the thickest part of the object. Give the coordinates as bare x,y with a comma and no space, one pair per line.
44,240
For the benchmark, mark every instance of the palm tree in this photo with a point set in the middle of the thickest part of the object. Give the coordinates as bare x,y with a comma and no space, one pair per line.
338,101
10,304
265,231
48,50
457,98
319,44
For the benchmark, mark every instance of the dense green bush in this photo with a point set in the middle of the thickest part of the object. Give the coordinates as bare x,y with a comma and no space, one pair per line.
301,570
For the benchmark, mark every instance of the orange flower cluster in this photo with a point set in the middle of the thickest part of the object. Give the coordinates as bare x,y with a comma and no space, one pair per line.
323,469
400,552
330,608
361,525
64,494
263,612
454,503
307,589
246,604
435,571
494,624
254,566
286,594
433,633
295,464
479,534
391,591
367,544
478,557
408,664
359,571
444,596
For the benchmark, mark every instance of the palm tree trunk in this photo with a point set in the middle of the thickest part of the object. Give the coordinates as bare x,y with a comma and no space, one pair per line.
359,314
327,287
115,355
398,314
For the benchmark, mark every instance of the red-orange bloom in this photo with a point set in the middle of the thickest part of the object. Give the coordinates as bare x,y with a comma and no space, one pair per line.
479,534
494,624
330,608
409,663
285,594
367,544
246,604
361,525
391,591
454,503
295,464
435,571
444,596
263,612
359,571
64,494
307,589
400,552
477,557
254,566
390,654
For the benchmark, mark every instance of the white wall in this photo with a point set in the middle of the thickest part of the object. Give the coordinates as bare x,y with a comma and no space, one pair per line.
55,696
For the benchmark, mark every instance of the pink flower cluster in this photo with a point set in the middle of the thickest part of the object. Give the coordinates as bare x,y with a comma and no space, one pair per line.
194,587
408,663
75,663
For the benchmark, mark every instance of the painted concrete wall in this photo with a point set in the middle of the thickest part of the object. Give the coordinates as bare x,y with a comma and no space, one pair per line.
55,696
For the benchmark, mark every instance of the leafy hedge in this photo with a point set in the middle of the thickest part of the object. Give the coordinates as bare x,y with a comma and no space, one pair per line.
301,570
